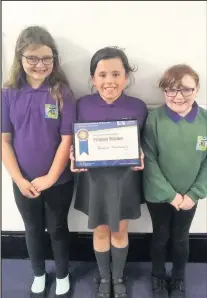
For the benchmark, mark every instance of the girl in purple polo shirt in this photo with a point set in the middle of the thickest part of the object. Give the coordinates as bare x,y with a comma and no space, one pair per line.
110,196
37,116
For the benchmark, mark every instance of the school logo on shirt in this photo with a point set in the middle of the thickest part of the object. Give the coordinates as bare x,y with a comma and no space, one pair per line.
51,111
201,143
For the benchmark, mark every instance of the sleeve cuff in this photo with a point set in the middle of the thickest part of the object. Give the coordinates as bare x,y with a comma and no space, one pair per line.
193,196
6,130
170,200
171,197
66,132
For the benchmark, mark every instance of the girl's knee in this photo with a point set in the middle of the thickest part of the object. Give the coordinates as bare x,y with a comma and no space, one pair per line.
34,229
58,233
119,235
123,231
102,232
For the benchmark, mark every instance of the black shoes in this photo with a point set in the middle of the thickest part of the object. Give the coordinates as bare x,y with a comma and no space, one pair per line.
107,288
119,288
42,294
103,288
160,288
38,295
177,288
164,289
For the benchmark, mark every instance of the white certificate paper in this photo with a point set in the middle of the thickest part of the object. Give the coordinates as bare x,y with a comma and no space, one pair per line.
110,143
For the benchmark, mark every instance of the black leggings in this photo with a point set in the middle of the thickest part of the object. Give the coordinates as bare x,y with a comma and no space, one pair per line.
169,223
50,211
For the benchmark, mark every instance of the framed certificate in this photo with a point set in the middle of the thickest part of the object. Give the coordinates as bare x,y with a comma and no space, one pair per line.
107,144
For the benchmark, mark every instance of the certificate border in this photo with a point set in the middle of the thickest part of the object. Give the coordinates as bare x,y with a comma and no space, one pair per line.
109,166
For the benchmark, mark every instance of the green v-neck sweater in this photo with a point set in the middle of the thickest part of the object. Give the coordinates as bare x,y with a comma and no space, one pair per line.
175,156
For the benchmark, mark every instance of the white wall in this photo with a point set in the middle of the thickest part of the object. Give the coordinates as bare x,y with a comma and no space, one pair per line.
155,36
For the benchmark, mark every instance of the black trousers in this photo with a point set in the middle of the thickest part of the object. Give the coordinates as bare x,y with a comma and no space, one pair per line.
169,223
50,211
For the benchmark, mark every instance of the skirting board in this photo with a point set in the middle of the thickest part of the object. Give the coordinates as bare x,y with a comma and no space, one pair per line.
13,246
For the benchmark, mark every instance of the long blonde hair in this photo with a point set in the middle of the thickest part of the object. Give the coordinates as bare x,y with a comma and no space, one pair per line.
35,35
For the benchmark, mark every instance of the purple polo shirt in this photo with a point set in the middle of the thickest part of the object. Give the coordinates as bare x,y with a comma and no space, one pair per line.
190,117
94,108
31,115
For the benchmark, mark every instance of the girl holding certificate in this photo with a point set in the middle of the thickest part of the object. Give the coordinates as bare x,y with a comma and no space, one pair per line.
110,196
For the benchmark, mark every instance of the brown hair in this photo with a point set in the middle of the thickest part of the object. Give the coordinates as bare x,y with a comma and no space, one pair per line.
174,75
35,36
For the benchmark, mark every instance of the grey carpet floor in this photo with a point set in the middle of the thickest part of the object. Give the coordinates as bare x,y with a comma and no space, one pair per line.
17,279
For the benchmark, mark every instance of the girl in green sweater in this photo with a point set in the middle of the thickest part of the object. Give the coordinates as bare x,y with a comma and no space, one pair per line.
175,174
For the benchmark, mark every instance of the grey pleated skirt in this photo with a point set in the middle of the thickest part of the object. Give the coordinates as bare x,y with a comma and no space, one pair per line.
108,195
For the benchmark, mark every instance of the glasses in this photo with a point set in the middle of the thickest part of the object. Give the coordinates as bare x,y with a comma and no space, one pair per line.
171,92
33,60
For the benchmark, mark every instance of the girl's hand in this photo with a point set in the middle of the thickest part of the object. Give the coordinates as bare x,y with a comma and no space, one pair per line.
27,189
42,183
187,203
72,165
177,201
136,168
